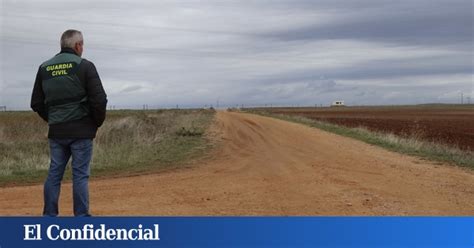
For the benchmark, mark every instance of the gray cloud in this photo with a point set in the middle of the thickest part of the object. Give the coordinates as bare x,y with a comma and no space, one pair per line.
194,53
433,22
377,69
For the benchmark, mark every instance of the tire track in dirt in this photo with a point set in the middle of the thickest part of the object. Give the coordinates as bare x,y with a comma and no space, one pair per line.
265,166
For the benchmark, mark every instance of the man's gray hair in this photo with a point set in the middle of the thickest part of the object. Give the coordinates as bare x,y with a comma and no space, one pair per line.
70,38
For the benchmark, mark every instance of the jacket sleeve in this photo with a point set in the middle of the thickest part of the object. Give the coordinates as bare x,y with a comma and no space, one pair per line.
37,98
96,95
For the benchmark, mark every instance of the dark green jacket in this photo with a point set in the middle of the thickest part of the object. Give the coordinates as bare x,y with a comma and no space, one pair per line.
68,94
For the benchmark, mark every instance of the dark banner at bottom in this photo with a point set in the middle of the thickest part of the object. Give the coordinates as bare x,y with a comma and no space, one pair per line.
237,232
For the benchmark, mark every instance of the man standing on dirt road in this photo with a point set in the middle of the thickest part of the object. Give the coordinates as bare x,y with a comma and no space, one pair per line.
68,94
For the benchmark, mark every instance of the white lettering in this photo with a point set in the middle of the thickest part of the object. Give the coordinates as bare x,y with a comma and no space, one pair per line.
30,229
130,235
50,230
89,232
65,234
100,233
110,234
157,232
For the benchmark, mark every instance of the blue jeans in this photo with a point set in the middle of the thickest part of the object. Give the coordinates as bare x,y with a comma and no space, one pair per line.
61,150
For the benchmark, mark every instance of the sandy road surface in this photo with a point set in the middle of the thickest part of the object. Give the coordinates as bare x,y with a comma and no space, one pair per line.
265,166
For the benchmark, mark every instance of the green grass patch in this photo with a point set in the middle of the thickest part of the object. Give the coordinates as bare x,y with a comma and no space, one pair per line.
411,146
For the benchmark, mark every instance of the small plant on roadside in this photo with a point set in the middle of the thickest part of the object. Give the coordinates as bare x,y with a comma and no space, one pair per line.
193,131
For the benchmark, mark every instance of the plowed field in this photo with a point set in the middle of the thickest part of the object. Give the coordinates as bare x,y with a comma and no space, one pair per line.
452,125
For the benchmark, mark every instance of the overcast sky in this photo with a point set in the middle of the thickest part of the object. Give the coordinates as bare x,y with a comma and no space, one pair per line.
280,52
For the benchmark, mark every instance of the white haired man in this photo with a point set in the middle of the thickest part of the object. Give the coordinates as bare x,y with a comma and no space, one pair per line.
68,94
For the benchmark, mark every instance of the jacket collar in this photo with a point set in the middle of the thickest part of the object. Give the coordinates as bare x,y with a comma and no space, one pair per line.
67,50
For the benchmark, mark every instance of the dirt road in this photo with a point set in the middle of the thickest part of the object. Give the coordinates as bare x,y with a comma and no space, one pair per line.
265,166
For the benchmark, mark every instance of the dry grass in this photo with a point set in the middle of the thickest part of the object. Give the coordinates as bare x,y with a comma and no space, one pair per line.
129,141
23,144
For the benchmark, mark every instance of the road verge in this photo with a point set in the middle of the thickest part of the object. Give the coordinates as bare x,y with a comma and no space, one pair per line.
409,146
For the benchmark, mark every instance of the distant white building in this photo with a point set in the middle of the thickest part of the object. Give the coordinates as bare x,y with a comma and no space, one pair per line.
338,104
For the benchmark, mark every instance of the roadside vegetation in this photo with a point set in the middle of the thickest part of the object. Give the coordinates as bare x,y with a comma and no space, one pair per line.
129,142
413,145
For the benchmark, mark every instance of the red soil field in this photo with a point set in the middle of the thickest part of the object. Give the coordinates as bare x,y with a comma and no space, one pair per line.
452,124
